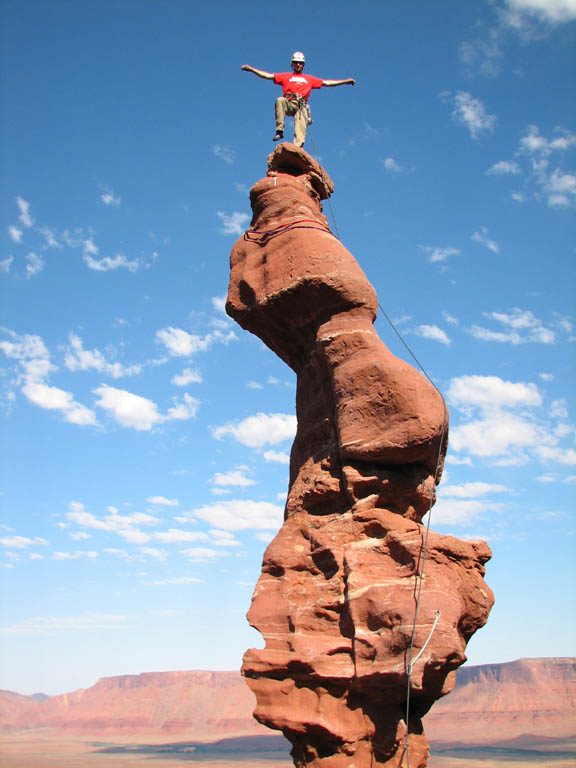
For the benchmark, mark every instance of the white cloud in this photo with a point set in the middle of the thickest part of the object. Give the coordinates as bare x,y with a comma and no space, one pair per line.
188,376
451,459
521,327
153,552
6,263
471,113
224,153
180,343
202,554
392,166
234,223
254,385
547,478
495,435
435,254
503,168
432,332
557,454
223,538
265,537
163,501
109,198
80,536
499,422
483,239
15,234
278,457
79,359
561,189
24,207
460,511
551,11
471,490
235,477
55,399
176,536
22,542
35,264
107,263
177,580
219,303
77,555
88,622
240,515
259,430
492,392
140,413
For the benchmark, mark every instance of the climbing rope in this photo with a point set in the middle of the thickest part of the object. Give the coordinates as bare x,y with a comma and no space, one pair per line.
255,236
411,661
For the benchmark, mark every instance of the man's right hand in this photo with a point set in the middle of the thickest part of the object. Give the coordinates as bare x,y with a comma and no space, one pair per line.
246,67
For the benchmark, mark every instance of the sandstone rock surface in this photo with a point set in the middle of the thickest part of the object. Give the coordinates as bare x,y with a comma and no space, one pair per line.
337,597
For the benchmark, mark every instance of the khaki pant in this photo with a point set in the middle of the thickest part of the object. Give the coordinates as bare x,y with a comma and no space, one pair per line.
285,107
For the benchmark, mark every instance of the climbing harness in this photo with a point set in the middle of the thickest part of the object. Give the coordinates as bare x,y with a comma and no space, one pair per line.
411,660
302,105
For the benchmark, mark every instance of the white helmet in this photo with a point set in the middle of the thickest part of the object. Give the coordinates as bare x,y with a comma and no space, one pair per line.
299,56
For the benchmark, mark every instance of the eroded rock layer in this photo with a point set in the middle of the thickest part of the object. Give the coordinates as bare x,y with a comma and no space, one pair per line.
337,596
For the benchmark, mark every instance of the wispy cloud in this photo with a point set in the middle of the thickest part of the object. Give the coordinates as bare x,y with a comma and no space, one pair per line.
481,237
109,198
241,515
436,254
162,501
470,112
278,457
503,168
517,326
503,421
224,153
259,430
24,218
88,622
180,343
432,332
520,12
235,477
15,234
35,264
233,223
79,359
6,263
392,166
22,542
141,413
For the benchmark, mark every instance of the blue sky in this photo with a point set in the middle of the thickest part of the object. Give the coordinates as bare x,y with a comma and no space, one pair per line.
145,436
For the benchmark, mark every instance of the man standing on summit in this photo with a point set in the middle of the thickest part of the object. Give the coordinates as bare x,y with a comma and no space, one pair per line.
296,88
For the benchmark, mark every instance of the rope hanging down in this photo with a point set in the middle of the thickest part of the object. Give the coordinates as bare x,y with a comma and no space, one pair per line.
411,661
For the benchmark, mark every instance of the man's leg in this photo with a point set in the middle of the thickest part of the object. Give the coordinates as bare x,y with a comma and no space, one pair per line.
280,112
300,123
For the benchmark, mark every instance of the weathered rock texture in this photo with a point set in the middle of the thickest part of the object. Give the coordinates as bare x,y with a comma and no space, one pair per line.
336,599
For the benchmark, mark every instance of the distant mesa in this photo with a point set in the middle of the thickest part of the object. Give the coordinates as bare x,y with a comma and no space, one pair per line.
521,703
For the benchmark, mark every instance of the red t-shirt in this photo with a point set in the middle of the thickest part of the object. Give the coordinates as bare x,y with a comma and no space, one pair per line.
292,82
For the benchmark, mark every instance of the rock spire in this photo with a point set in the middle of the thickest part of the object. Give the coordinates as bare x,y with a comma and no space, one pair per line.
337,596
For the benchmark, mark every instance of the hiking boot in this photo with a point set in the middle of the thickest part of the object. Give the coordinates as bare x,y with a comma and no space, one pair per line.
278,135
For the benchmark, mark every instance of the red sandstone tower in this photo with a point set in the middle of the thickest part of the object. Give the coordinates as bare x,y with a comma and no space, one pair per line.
353,635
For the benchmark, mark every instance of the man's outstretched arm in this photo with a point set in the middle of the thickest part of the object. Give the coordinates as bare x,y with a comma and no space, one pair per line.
331,83
260,72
